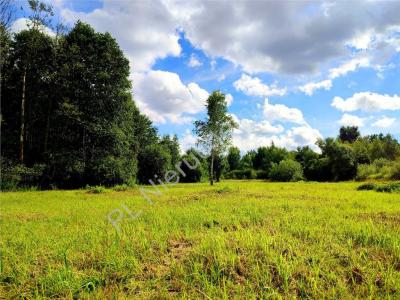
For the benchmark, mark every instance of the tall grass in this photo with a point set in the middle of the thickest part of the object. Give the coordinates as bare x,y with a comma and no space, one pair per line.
243,240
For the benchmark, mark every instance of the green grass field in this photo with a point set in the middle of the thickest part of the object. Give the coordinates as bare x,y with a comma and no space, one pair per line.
238,239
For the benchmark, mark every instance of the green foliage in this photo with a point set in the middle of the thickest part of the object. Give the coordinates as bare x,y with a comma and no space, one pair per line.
349,134
314,167
379,169
247,161
233,158
194,166
267,156
80,120
219,166
366,187
154,162
286,170
16,176
172,144
215,132
341,159
121,187
98,189
385,188
241,174
261,174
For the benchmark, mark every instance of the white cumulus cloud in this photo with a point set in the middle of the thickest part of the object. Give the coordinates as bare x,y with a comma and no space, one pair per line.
22,24
280,112
253,86
164,97
309,88
367,101
351,120
384,122
349,66
145,30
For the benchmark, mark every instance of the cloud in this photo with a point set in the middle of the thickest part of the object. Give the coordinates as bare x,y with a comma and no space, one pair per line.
384,122
145,30
349,66
253,86
309,88
247,126
228,99
280,112
351,120
22,24
164,97
362,41
187,141
284,36
251,135
194,61
367,101
260,36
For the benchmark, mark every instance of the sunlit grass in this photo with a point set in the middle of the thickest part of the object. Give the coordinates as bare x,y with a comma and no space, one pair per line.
238,239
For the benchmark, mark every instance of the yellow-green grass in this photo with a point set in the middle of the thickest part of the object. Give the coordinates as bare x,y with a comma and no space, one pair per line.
235,240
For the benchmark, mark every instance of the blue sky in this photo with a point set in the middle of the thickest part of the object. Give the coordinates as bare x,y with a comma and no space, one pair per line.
292,71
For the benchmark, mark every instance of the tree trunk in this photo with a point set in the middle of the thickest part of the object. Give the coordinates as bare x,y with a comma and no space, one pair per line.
212,169
22,131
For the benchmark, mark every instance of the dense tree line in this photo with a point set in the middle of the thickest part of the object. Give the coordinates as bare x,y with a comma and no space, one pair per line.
349,156
67,115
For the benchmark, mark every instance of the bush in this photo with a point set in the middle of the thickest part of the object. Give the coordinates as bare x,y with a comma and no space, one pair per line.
120,187
394,172
286,170
154,160
241,174
386,188
98,189
366,187
17,176
261,174
366,171
379,169
193,166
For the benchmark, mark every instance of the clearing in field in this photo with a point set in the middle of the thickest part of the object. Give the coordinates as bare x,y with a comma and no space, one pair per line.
238,239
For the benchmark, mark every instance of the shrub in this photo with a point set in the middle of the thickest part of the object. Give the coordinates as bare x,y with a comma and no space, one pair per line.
154,160
379,169
261,174
286,170
395,171
386,188
366,187
193,166
366,171
241,174
121,187
17,176
98,189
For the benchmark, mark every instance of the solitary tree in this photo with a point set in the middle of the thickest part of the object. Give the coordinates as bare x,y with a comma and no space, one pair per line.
215,132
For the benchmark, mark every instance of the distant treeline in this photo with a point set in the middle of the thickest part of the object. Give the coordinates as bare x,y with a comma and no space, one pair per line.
349,156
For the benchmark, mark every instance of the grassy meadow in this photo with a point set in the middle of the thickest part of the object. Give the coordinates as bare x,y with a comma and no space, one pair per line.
235,240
